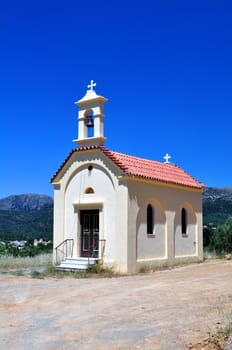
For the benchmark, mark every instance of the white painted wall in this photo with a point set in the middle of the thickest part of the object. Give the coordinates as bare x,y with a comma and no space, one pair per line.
185,244
109,197
167,244
151,246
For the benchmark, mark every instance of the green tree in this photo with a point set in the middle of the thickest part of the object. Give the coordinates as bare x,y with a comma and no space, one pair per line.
3,249
222,239
207,236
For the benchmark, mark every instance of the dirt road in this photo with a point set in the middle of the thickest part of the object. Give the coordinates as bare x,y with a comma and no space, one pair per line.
163,310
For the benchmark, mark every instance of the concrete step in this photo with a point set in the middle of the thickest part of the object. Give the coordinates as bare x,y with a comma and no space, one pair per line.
78,264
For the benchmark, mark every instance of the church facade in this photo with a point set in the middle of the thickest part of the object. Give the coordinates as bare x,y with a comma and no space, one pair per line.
123,211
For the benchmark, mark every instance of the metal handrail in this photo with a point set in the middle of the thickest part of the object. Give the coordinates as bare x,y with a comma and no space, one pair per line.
65,250
92,247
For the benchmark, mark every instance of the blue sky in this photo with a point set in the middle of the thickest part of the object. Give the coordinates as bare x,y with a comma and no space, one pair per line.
165,67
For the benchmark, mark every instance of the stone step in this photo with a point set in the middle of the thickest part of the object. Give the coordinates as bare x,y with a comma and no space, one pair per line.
78,264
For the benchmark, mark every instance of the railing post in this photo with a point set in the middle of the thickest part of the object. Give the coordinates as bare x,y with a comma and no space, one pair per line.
99,249
72,248
64,247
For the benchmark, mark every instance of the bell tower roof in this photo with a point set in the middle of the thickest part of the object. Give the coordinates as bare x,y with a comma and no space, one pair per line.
90,96
91,117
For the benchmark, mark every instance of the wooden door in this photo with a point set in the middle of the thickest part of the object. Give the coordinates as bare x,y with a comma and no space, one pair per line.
89,233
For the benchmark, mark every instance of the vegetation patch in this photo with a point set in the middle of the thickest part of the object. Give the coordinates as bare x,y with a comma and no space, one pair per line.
37,274
216,212
219,239
93,271
17,273
25,225
9,262
25,248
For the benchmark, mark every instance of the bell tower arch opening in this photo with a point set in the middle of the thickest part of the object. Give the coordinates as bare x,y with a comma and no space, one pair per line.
89,122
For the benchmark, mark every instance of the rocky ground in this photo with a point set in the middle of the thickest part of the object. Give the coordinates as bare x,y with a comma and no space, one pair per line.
185,308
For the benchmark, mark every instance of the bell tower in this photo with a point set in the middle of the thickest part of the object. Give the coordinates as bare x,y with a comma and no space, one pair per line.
91,118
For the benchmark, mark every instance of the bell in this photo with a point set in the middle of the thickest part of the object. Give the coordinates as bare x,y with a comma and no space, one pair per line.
90,122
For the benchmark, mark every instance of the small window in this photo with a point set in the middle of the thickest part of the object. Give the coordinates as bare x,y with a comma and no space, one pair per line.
89,190
150,219
183,221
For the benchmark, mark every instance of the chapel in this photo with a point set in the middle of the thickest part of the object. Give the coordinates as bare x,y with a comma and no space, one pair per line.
118,210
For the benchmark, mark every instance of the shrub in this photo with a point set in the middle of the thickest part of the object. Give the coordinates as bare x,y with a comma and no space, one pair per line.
222,239
37,274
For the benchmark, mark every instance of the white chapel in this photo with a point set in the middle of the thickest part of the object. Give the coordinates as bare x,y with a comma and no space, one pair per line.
119,210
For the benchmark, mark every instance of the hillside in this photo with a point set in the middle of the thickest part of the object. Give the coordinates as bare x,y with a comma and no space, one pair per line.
26,216
26,202
212,194
26,225
217,205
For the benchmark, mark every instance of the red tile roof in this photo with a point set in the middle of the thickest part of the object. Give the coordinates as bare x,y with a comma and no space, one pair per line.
145,168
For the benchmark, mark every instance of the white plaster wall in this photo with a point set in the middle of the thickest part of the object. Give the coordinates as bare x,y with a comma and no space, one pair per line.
121,227
167,201
108,194
186,244
103,198
151,246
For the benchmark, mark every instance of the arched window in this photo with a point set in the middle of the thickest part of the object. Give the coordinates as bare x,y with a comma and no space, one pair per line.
150,219
183,221
89,190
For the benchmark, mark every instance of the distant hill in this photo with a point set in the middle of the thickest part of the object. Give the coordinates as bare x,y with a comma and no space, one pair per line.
217,205
25,225
26,202
26,216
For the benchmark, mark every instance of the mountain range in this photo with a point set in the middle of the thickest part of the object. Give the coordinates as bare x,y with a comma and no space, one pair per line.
30,216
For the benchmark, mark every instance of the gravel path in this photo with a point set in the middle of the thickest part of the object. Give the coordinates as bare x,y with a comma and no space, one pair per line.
163,310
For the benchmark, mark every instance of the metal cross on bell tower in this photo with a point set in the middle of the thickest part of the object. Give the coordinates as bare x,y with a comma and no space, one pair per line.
91,85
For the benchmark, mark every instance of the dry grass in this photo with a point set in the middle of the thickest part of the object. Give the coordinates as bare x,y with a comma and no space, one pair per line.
8,262
224,310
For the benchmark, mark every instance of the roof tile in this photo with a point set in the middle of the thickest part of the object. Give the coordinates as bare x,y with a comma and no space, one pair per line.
150,169
145,168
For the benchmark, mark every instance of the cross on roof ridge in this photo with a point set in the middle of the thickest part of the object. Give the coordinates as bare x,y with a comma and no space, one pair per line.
167,157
